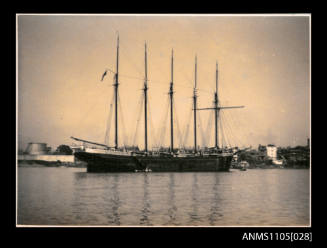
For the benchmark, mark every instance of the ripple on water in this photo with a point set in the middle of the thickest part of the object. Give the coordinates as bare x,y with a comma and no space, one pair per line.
70,196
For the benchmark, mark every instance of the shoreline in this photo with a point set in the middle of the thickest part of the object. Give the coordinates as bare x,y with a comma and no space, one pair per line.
42,163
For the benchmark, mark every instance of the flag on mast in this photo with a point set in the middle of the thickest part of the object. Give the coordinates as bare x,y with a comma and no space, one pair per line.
104,74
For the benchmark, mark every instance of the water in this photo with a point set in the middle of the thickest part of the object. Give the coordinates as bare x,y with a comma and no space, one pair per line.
70,196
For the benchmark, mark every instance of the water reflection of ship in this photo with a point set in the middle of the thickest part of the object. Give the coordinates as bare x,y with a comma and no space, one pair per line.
115,159
83,205
145,212
115,201
194,216
171,200
214,210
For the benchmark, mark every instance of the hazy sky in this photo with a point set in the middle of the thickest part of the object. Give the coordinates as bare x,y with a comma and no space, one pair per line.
264,64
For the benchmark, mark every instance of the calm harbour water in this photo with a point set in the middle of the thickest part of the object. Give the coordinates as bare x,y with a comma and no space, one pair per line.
70,196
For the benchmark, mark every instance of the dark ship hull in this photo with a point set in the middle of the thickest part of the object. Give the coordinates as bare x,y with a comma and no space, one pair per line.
98,162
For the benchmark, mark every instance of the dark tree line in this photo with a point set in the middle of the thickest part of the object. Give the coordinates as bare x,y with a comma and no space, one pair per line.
64,150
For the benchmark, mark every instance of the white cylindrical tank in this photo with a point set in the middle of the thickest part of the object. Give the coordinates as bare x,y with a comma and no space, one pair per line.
36,148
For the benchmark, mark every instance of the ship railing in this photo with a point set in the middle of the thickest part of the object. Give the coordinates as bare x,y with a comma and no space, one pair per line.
108,151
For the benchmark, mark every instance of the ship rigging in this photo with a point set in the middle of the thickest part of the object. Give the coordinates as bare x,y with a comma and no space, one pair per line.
111,159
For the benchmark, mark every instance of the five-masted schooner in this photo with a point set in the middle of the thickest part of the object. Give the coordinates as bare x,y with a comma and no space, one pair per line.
112,159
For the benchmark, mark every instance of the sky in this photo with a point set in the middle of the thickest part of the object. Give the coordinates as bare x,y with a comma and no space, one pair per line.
263,63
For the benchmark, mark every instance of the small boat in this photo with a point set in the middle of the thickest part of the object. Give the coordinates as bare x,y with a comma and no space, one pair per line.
146,170
243,165
278,162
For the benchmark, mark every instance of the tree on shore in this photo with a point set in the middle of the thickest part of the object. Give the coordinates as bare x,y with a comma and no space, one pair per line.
64,150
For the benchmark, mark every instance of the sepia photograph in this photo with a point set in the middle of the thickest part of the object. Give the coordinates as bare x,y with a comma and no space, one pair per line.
163,120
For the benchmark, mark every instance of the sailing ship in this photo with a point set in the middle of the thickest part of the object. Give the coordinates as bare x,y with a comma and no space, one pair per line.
114,159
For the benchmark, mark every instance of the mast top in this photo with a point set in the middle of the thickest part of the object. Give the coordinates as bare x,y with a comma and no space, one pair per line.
195,73
172,66
117,59
146,69
117,40
216,77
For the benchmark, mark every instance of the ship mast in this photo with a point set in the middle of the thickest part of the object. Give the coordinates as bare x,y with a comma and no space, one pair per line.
145,89
116,96
171,92
216,109
194,105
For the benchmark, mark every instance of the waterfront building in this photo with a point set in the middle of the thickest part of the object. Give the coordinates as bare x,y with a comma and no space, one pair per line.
262,149
272,151
41,154
37,149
